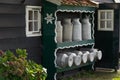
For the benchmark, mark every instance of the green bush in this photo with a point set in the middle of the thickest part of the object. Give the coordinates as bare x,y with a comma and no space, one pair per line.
17,67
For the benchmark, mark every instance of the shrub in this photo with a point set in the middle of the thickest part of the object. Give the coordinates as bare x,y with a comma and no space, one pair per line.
17,67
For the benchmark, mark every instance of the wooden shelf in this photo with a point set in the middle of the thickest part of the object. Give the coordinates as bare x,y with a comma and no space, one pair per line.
48,36
75,43
74,67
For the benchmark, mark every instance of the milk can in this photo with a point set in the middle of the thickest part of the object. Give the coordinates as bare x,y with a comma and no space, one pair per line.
77,30
76,58
79,57
91,56
99,55
70,58
67,29
62,60
86,28
59,32
85,56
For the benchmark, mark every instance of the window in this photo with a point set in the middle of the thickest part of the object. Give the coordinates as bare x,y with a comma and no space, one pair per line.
105,20
117,1
33,21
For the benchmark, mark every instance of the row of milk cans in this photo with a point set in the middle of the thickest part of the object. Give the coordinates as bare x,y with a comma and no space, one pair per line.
73,30
76,58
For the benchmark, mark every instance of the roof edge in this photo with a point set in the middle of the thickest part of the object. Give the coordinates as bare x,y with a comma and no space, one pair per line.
75,2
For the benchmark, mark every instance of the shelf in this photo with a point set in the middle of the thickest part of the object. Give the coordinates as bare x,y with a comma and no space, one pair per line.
52,13
75,43
74,67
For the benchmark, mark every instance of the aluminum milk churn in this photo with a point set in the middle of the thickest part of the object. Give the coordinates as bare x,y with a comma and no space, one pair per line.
67,29
86,28
77,30
59,32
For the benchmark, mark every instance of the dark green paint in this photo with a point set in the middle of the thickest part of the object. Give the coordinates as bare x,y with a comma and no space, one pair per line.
75,43
48,37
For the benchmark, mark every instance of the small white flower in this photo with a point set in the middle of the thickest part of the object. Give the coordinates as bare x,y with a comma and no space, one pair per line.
44,69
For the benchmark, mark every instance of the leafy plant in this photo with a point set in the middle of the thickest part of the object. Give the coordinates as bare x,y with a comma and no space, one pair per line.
17,67
35,71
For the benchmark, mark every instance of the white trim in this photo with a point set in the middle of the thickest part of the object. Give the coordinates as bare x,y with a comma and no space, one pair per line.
33,33
39,7
99,20
58,2
117,1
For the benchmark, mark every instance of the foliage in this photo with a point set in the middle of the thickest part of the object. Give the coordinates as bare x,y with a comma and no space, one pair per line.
17,67
34,70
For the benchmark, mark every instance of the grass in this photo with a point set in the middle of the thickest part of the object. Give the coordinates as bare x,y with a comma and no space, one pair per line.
97,75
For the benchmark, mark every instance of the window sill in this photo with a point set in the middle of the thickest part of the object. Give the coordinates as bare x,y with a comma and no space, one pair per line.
33,35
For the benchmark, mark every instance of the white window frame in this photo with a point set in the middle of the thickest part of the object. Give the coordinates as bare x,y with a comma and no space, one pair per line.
33,32
99,20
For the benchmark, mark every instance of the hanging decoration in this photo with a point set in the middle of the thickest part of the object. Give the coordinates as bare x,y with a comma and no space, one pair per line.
49,18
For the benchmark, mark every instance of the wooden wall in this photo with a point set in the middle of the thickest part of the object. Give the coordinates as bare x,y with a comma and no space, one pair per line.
12,28
29,2
108,41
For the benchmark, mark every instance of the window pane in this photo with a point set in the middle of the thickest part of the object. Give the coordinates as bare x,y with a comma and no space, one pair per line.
30,26
109,15
109,24
30,15
102,15
35,15
36,26
102,24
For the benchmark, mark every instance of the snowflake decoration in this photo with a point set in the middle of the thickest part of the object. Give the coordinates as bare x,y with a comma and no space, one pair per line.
49,18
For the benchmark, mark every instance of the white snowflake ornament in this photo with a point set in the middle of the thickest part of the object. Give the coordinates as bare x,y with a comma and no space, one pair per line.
49,18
